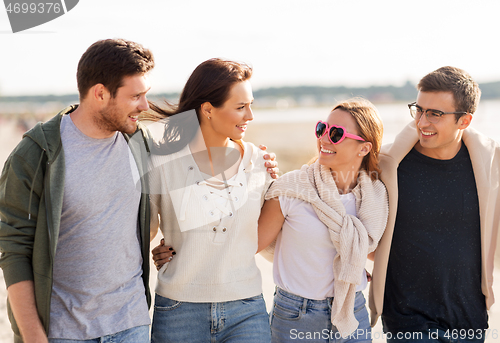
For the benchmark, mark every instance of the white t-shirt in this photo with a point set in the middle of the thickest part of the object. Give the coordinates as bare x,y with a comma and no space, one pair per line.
303,257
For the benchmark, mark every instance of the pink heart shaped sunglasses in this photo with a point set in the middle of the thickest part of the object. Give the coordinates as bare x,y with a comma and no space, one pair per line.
336,134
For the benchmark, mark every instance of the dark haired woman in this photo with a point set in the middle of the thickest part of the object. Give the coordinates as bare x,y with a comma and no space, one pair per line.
207,190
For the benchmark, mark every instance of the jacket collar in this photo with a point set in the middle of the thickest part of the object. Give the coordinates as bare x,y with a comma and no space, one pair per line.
473,140
403,143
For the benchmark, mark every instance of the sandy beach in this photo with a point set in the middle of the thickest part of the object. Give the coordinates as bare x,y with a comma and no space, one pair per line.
294,146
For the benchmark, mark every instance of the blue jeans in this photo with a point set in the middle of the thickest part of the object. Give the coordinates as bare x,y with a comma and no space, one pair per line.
244,320
295,318
138,334
436,335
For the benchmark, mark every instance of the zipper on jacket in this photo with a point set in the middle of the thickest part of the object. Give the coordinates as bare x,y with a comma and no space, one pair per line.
50,227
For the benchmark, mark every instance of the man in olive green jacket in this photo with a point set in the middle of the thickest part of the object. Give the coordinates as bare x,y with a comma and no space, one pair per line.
34,190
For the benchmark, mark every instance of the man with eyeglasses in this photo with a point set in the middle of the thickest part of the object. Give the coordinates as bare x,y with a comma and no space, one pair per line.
433,271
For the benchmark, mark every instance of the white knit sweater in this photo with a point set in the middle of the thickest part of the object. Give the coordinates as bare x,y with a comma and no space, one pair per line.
214,235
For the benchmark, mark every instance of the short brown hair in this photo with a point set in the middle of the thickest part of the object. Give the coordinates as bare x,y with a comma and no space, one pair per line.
109,61
370,128
465,90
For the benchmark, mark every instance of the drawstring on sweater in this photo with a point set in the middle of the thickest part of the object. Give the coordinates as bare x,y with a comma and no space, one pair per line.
218,193
33,183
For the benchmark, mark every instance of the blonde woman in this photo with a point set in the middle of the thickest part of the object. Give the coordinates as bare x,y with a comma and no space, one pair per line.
326,218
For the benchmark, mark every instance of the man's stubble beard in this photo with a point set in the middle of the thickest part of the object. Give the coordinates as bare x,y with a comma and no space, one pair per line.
110,120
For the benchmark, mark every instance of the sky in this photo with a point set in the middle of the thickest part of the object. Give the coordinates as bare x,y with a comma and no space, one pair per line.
288,42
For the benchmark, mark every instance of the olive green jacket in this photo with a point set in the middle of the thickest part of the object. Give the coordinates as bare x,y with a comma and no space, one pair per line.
31,198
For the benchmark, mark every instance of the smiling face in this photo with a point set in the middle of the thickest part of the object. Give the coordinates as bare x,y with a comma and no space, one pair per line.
347,155
121,112
231,119
443,139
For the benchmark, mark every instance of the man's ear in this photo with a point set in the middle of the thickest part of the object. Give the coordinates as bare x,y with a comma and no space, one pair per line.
464,121
100,93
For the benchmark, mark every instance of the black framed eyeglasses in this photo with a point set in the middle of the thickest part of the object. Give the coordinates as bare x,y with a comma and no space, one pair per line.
432,116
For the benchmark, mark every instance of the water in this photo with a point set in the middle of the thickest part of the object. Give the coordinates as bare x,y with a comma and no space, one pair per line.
395,117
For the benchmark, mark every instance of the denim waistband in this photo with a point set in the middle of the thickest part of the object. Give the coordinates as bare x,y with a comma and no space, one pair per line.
302,302
305,303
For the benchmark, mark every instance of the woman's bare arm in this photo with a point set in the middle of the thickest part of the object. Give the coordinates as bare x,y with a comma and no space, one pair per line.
270,222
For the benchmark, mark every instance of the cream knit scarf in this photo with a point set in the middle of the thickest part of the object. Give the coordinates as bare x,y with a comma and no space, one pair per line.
353,237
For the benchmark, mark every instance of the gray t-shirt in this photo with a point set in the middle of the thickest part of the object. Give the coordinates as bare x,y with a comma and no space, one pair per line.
98,289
